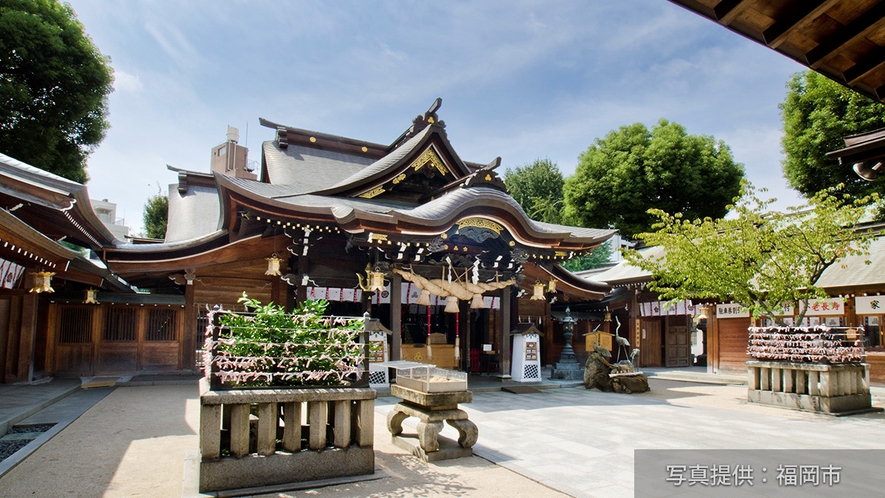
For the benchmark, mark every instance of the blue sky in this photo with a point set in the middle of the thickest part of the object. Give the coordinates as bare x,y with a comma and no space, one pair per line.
519,79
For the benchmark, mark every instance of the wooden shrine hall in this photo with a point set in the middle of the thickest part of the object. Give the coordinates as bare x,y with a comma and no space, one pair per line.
432,245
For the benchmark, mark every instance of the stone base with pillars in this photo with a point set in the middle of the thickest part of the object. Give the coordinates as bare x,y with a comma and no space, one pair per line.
432,409
836,389
339,435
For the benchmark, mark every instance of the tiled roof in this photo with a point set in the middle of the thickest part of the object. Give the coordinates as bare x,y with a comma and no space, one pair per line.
194,214
308,169
381,165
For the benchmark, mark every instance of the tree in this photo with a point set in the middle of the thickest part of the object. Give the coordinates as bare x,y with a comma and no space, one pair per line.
156,212
762,260
537,187
596,258
817,114
620,177
54,85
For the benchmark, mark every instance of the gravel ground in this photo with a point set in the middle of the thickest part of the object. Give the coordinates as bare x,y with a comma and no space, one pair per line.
7,448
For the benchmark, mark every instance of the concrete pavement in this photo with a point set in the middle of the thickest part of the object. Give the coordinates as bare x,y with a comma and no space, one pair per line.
567,441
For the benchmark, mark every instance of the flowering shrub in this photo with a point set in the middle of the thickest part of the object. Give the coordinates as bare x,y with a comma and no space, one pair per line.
269,347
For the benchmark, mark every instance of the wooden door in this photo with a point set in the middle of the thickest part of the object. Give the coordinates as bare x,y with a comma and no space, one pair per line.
678,348
650,343
732,344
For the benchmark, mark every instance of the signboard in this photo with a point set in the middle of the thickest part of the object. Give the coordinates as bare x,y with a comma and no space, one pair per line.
531,351
732,310
869,305
822,307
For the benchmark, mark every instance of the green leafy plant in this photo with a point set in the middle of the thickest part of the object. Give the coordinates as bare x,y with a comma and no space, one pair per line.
268,346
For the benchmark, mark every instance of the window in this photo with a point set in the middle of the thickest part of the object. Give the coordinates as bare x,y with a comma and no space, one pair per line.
120,324
75,326
161,325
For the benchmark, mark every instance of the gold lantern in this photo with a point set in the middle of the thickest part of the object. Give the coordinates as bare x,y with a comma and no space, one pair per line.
91,295
43,282
376,281
551,286
273,266
538,292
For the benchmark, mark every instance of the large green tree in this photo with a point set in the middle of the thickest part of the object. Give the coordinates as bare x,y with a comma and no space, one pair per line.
156,212
817,113
759,258
537,187
634,169
54,84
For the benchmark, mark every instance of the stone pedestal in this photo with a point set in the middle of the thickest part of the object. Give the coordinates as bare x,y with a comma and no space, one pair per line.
432,409
237,453
838,389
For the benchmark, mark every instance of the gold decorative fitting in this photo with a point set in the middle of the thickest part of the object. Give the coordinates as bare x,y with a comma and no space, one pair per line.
481,223
488,177
430,157
443,236
42,282
313,140
365,149
430,120
399,178
512,243
372,193
273,266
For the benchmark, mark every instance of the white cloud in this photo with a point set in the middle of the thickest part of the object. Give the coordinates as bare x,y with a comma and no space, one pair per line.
125,82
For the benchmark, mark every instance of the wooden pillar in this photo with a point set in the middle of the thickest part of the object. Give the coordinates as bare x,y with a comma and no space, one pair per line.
713,338
506,327
189,333
28,333
396,317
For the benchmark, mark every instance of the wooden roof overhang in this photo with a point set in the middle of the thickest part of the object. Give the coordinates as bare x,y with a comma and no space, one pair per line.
52,205
841,39
23,245
574,288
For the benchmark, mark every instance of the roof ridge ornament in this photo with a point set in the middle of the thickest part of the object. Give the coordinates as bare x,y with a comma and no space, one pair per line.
422,121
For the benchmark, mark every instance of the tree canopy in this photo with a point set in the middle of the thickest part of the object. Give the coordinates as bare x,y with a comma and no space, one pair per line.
156,212
631,170
54,84
817,114
760,259
596,258
537,187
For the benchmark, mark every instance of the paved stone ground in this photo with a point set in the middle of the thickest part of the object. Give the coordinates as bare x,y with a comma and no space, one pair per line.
559,441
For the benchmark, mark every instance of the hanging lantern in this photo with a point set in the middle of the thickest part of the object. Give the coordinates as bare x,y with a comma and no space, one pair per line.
376,281
538,292
424,298
477,302
273,266
608,316
91,295
43,282
451,305
551,286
